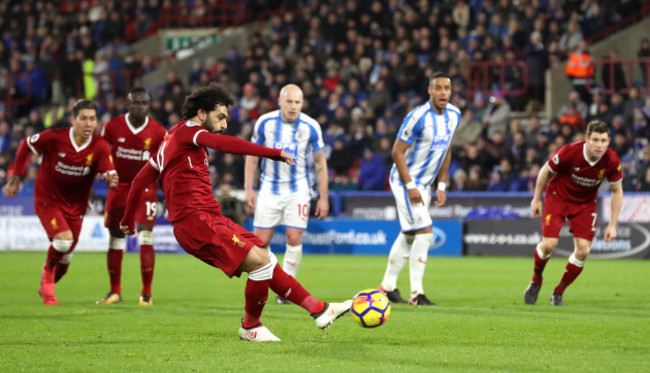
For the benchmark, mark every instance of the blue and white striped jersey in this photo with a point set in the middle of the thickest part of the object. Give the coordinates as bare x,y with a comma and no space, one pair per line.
299,139
429,135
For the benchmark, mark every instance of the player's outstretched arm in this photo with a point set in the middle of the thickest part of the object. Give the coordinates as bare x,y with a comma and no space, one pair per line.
234,145
542,181
147,175
616,204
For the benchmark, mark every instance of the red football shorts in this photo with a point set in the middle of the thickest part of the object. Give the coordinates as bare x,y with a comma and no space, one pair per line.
582,218
55,220
145,213
215,240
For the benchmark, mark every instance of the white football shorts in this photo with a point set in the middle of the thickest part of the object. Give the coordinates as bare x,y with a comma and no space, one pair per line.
291,210
412,217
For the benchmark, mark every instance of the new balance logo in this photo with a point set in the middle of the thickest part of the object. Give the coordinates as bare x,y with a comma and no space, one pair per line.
422,261
62,155
121,139
576,168
293,264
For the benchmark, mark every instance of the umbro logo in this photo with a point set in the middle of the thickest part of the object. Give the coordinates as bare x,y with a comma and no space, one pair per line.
121,139
62,155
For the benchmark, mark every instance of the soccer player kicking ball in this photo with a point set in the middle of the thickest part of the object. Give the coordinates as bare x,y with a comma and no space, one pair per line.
181,167
71,159
133,137
573,176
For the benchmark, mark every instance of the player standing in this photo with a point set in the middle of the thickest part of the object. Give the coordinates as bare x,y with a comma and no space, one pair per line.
71,159
133,137
573,175
421,152
285,191
181,166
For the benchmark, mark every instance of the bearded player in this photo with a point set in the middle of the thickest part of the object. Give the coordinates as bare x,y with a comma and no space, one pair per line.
133,137
71,159
181,166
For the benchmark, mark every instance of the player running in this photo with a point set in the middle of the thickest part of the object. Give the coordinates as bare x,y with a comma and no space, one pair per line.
71,159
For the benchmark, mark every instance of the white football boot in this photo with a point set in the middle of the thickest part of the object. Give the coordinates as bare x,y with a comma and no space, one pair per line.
331,312
257,334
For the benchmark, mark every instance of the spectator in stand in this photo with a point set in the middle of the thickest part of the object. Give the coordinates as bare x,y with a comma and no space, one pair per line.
612,74
644,52
496,114
536,59
571,38
579,105
572,117
372,175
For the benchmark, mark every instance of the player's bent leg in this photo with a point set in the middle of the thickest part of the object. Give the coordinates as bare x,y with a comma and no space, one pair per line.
147,262
541,255
572,270
60,246
62,267
259,265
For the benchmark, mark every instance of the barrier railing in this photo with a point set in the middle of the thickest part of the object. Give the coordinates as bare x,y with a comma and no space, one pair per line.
628,65
10,95
209,15
488,76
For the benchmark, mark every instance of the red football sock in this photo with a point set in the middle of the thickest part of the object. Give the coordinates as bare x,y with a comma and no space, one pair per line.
114,263
571,272
60,270
540,264
288,287
257,292
53,258
147,260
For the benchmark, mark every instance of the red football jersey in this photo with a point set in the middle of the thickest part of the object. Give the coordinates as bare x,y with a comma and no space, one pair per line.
68,170
576,178
184,172
132,147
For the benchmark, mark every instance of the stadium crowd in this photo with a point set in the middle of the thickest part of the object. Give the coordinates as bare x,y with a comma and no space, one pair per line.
362,66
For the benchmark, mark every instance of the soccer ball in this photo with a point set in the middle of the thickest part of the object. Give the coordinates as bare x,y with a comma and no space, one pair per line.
370,308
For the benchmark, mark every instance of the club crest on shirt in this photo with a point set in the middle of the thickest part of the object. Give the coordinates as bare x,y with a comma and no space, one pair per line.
301,135
147,143
601,174
237,241
89,159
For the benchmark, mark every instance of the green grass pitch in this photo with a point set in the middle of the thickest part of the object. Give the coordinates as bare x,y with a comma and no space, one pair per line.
480,323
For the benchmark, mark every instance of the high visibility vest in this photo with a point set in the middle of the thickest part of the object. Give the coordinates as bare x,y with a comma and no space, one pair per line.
579,66
90,88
